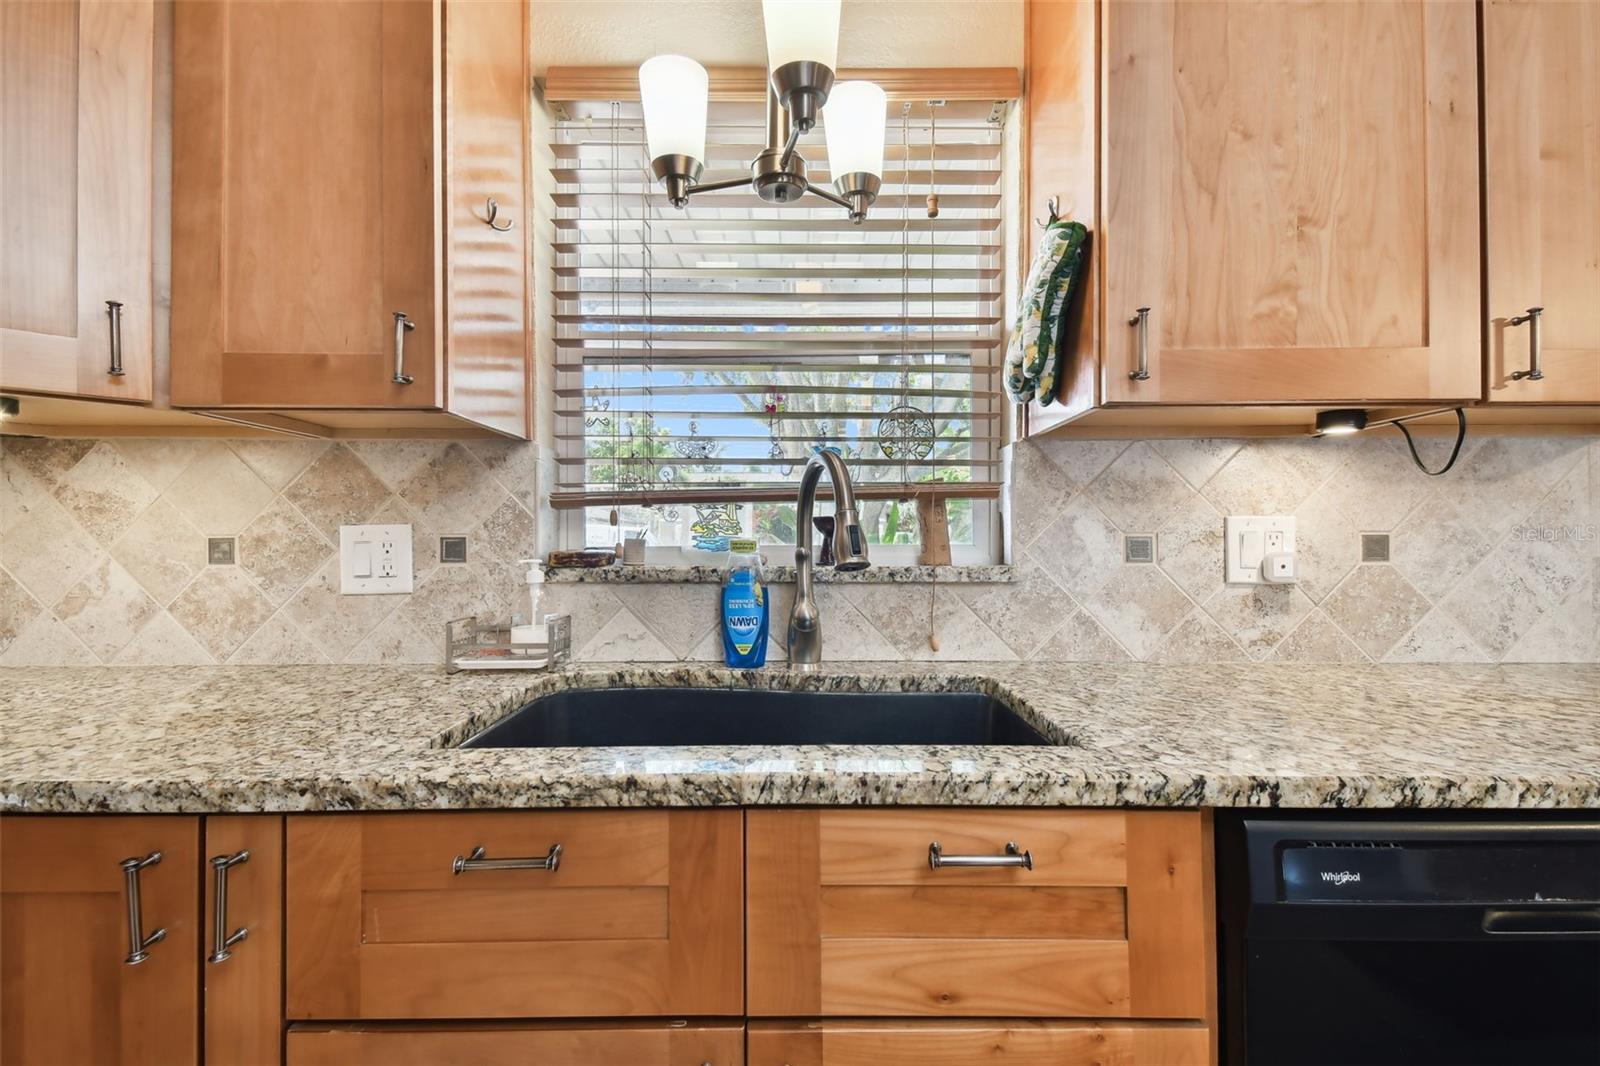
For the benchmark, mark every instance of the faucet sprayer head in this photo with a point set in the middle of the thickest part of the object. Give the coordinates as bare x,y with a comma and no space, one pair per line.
849,542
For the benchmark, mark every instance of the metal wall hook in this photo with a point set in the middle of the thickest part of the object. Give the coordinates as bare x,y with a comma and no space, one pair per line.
1053,205
493,210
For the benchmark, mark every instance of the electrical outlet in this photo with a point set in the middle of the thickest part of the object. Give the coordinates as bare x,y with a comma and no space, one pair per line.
1249,540
374,560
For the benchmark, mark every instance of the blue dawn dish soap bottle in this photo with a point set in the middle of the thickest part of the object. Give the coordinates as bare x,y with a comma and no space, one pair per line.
744,607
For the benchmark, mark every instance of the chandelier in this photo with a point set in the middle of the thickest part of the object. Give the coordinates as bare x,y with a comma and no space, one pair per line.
802,52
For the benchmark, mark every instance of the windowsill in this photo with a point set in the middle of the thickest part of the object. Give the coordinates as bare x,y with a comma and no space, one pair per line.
778,575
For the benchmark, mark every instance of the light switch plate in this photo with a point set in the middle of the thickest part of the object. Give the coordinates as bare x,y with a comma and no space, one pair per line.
374,560
1247,539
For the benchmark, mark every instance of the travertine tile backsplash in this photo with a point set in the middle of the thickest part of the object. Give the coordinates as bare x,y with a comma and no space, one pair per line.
103,556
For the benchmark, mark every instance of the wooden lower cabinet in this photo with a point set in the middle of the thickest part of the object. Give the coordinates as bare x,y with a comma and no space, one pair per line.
549,1044
68,993
642,915
244,989
847,916
967,1043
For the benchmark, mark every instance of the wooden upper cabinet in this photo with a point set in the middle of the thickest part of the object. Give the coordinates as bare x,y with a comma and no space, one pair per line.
328,159
67,991
1542,162
1292,190
77,81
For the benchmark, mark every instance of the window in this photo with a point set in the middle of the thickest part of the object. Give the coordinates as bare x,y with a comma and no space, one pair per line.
702,354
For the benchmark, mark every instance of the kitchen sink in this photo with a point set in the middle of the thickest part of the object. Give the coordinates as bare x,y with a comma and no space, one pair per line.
677,717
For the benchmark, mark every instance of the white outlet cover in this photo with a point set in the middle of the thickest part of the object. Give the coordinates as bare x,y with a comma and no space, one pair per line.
1243,567
374,560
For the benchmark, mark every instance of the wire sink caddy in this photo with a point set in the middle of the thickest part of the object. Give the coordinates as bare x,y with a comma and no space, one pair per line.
470,644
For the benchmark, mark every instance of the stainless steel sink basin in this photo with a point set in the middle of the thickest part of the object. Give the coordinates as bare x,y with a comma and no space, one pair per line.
678,717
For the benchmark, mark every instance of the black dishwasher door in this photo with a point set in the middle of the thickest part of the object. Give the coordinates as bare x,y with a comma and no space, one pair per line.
1377,943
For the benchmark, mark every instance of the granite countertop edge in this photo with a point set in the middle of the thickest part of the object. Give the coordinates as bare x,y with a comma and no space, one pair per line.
287,739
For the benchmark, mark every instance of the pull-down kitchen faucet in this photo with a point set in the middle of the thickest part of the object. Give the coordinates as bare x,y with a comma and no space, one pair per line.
849,551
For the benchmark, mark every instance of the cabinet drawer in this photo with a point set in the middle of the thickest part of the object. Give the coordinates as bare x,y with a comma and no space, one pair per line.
640,916
969,1043
848,916
528,1044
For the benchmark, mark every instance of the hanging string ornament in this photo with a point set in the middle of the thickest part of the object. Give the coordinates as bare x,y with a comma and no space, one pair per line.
694,446
775,404
905,432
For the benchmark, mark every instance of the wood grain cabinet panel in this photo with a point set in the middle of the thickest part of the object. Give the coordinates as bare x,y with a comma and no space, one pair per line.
846,917
969,1043
552,1044
332,164
1292,189
642,916
1542,198
244,991
67,993
76,184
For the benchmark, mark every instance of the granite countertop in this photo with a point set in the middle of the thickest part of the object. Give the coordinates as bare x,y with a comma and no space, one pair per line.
288,738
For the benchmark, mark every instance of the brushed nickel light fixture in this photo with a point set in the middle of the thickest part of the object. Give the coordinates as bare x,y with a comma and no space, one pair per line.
802,53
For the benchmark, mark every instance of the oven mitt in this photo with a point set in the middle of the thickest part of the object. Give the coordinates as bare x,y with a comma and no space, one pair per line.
1076,262
1032,336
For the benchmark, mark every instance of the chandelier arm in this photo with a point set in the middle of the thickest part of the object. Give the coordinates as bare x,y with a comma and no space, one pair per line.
829,196
717,186
788,149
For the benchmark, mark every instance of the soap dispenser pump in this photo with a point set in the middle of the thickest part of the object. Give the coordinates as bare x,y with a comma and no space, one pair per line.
527,624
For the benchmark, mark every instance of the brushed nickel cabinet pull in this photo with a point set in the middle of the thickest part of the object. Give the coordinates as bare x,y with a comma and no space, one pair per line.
1014,856
1141,321
475,861
402,326
1535,345
221,939
138,943
114,314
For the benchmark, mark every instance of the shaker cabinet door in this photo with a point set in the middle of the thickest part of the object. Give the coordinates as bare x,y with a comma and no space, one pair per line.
1542,162
1292,192
73,985
76,172
305,214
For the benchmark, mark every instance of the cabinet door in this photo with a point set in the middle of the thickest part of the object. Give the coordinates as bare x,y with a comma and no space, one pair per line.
488,347
848,918
67,990
1542,160
641,915
75,185
521,1044
305,178
967,1043
1292,190
244,981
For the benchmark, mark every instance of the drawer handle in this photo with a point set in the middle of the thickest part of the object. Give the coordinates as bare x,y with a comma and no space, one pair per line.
138,943
402,326
1141,322
114,313
1535,372
221,940
1014,856
548,861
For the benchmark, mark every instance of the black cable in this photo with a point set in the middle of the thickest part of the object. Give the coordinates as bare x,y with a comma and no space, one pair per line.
1461,436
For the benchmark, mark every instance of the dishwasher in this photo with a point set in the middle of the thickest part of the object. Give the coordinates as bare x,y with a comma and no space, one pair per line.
1407,941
